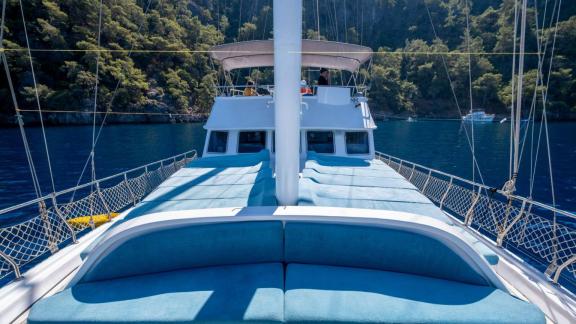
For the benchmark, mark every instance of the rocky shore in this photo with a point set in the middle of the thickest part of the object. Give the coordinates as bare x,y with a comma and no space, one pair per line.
54,119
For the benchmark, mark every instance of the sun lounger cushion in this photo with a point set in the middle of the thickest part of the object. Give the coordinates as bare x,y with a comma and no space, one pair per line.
250,293
375,248
192,246
316,293
224,161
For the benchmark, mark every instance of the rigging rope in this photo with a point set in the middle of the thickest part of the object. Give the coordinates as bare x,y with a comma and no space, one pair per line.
318,19
474,161
96,79
30,160
512,98
37,97
510,186
345,23
544,94
538,82
470,86
95,112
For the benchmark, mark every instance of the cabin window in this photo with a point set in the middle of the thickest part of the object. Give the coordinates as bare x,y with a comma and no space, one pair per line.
320,142
357,143
251,142
218,142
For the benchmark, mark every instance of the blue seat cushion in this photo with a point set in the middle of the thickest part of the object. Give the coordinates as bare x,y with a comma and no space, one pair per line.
251,293
316,293
312,193
192,246
357,181
375,248
225,161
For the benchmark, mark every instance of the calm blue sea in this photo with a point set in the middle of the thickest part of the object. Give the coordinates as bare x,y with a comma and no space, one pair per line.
437,144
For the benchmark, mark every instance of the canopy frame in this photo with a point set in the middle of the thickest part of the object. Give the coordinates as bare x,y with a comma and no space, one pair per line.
315,54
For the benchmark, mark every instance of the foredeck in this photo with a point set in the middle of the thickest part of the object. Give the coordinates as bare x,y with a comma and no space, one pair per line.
327,181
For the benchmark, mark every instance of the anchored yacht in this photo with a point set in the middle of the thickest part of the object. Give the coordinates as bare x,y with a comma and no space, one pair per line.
478,116
290,215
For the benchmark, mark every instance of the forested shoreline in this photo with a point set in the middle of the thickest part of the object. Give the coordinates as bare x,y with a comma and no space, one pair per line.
152,55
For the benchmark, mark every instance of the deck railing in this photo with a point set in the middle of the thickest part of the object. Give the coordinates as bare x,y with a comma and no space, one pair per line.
57,220
540,234
268,89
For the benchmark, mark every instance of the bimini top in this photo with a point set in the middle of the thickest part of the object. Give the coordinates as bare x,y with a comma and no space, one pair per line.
318,54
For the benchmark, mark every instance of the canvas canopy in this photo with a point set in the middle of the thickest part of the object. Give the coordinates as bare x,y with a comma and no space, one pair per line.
318,54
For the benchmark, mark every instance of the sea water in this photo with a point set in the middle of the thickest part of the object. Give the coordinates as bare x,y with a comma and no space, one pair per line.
442,145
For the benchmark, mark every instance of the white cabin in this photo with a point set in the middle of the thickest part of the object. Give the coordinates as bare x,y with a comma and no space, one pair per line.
334,120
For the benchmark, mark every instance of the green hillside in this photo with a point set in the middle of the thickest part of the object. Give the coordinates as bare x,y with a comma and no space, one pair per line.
154,52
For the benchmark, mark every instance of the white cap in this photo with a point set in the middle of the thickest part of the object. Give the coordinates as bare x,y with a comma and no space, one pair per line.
303,83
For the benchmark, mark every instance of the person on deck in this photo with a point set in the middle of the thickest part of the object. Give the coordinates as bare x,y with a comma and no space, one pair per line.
305,89
250,90
323,79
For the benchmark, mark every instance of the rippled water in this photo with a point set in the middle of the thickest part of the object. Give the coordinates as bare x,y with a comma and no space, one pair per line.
438,144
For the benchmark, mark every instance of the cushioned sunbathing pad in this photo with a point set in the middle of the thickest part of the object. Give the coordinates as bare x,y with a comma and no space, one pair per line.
214,182
375,248
260,194
145,208
211,171
209,192
364,193
358,181
216,179
250,293
371,184
191,246
329,160
349,295
225,161
396,199
353,171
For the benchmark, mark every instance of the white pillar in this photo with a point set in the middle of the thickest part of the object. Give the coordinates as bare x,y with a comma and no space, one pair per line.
287,63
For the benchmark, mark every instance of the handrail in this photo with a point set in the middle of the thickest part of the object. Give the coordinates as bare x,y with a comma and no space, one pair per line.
225,89
58,224
485,187
91,183
510,223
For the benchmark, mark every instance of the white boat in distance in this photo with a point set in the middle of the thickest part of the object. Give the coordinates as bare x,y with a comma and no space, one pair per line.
478,116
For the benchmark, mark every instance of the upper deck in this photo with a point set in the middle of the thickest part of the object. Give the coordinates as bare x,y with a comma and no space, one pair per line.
332,121
330,108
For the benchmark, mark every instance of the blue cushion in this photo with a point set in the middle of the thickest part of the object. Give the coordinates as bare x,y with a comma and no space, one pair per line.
398,199
208,192
348,295
192,246
209,171
344,161
224,161
375,248
355,171
358,181
251,293
216,179
364,193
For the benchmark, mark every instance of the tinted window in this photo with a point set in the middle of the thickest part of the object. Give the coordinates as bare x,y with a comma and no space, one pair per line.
218,142
251,142
357,143
320,142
